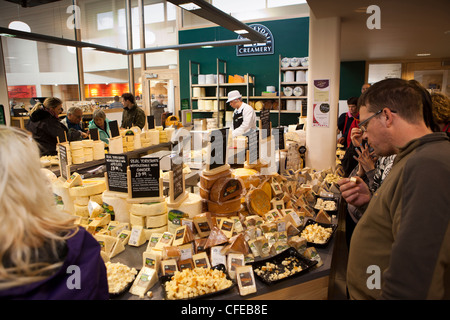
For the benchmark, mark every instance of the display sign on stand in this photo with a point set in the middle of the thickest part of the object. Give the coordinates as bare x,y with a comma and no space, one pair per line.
278,134
63,162
144,181
264,123
116,172
114,128
93,133
253,147
151,122
177,186
217,151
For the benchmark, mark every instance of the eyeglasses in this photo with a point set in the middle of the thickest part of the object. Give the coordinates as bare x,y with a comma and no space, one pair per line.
363,125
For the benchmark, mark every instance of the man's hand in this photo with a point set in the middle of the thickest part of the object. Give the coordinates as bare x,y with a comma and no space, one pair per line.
355,191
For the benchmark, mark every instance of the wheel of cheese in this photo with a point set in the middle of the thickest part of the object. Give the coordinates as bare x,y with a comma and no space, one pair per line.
81,201
225,189
148,209
89,187
207,181
226,207
258,202
81,211
88,143
76,145
149,231
119,205
248,176
156,221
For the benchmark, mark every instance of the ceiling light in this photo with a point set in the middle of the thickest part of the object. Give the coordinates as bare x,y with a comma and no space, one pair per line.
20,26
423,54
242,31
207,47
169,50
189,6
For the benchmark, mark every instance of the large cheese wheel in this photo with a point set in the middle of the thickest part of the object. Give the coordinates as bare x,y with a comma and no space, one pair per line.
225,189
156,221
226,207
148,209
89,187
258,202
207,181
119,205
248,176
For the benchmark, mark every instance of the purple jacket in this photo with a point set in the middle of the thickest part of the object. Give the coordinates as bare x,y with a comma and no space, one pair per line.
82,276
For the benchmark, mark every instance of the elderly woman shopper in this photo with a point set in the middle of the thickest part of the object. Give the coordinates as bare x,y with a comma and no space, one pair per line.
100,122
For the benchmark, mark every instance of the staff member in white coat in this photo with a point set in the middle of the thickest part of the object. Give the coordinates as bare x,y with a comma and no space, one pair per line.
244,117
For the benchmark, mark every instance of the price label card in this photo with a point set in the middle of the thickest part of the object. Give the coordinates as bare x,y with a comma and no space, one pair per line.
116,168
144,180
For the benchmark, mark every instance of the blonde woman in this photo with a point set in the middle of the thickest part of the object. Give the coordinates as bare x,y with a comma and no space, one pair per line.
43,254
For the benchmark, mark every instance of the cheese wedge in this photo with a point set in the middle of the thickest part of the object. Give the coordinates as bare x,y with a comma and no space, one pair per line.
137,236
145,280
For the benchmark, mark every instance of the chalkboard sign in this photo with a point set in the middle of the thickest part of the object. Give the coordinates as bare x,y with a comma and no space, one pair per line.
151,122
278,134
218,148
253,146
114,128
2,115
62,150
94,134
264,118
116,169
177,176
144,177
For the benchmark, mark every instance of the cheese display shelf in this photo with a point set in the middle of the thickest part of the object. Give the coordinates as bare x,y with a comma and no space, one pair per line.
236,217
213,104
96,163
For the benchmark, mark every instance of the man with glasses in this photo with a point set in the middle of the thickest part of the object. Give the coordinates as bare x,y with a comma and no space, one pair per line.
400,248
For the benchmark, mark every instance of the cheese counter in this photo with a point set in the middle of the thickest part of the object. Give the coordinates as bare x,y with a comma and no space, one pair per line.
311,285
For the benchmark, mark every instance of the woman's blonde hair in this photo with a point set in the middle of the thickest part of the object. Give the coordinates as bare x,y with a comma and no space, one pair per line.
52,102
28,214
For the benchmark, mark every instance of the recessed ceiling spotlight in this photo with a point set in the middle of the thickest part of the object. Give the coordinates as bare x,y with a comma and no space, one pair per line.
189,6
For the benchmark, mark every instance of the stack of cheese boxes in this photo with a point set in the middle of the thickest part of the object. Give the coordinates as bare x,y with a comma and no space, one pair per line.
85,151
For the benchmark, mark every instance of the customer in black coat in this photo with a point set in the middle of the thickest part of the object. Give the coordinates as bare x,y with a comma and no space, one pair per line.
45,126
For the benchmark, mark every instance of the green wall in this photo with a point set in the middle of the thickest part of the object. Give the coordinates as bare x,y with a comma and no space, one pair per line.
290,40
291,37
351,79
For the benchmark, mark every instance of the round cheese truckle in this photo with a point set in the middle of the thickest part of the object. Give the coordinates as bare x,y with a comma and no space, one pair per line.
258,202
230,206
